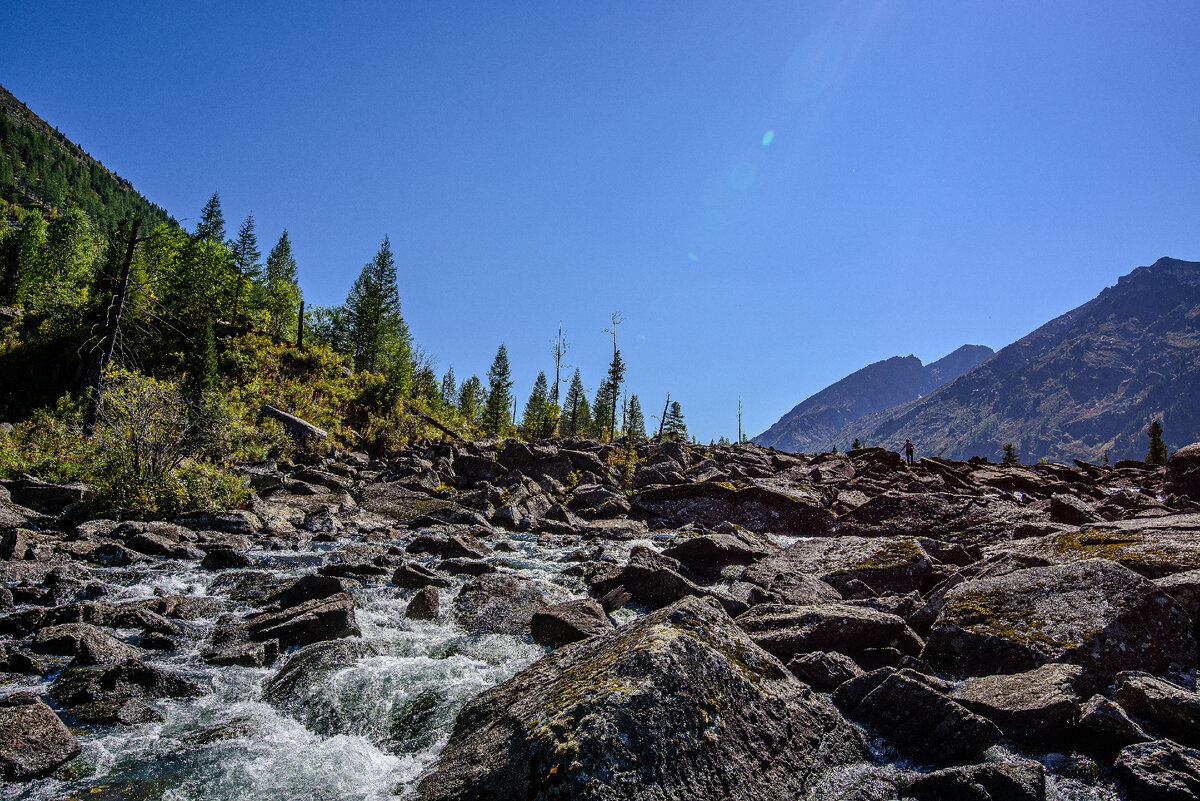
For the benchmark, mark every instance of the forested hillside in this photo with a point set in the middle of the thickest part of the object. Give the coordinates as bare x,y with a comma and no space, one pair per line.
40,169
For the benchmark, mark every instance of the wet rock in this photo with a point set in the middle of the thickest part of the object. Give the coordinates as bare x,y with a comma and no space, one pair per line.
824,670
33,741
655,581
1095,613
308,588
915,717
466,567
424,606
88,645
1160,770
891,565
359,571
730,545
253,587
238,521
455,546
237,650
224,559
300,680
786,631
325,618
1038,706
396,502
568,622
1183,472
1169,708
99,693
415,576
681,701
110,554
1011,781
500,603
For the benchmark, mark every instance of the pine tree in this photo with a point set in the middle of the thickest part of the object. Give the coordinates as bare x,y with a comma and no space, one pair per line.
602,410
536,418
470,395
202,362
283,293
1157,454
856,444
379,338
499,397
245,261
212,222
673,427
616,374
635,421
1010,454
449,389
574,402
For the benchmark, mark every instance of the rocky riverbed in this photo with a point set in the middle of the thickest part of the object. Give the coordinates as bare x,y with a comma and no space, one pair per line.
566,619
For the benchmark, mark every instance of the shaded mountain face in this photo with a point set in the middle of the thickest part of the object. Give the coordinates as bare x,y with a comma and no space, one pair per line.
820,422
1086,383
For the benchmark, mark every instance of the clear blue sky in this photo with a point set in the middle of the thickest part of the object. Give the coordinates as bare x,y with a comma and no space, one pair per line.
774,194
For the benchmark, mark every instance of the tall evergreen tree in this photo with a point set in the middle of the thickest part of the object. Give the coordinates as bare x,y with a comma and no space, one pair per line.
537,421
245,261
212,221
602,410
616,374
673,426
1157,453
283,292
573,402
470,396
635,420
379,337
22,257
499,397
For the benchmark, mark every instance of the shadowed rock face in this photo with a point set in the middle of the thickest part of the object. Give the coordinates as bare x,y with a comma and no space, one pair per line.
680,704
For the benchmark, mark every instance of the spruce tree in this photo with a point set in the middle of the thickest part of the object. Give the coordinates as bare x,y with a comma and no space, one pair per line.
536,416
499,397
635,420
573,402
283,292
379,338
470,395
212,222
602,410
616,374
674,427
449,389
245,261
1010,454
1157,454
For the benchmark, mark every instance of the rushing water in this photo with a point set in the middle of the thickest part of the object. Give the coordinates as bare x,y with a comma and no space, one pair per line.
367,730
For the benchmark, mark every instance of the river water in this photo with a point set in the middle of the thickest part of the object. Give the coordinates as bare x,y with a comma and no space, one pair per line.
361,732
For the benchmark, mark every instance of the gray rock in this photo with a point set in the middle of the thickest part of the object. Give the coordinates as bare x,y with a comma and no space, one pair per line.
449,547
98,693
33,741
1094,613
888,565
1160,770
299,429
733,545
786,631
1012,781
568,622
1038,706
655,581
499,603
415,576
1173,710
824,670
1071,510
757,506
1104,726
88,645
678,704
327,618
1183,472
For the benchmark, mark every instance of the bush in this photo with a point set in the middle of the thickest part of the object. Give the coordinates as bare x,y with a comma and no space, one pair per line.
199,487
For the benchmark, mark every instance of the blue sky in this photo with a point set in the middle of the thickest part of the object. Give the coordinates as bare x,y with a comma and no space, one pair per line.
774,194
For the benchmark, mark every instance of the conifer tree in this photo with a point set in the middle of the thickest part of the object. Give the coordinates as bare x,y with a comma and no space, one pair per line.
574,402
379,338
245,261
602,410
212,222
499,397
673,426
283,293
22,257
1010,454
635,420
536,418
470,395
449,389
1157,453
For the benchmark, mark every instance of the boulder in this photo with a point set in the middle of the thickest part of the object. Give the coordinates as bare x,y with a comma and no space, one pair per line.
732,545
33,741
467,567
1071,510
887,565
1166,546
824,670
1105,727
756,506
1010,781
45,496
1038,706
598,500
568,622
1095,614
500,603
1160,770
916,718
327,618
1183,472
786,631
678,704
654,580
1169,708
423,606
88,644
222,558
98,694
1185,589
449,546
415,576
307,588
297,428
301,677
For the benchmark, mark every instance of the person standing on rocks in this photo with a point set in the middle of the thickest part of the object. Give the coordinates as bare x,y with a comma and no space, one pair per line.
908,450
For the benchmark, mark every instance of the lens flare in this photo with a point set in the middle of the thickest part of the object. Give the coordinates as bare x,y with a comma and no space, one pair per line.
768,138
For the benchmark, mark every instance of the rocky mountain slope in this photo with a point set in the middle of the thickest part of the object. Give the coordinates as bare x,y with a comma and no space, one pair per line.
1086,383
815,424
525,620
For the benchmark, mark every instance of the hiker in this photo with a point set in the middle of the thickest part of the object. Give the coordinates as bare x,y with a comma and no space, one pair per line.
908,450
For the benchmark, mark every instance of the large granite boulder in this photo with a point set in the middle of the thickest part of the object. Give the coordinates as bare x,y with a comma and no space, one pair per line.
885,565
324,618
679,704
1037,706
33,741
1160,770
1183,472
501,603
786,631
101,694
569,622
1169,708
1163,547
729,545
655,580
1095,614
754,506
1012,781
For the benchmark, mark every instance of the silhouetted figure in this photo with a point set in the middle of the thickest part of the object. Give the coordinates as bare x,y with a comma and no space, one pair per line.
908,450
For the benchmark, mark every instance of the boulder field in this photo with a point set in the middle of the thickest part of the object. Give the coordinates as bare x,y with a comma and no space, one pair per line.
744,623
